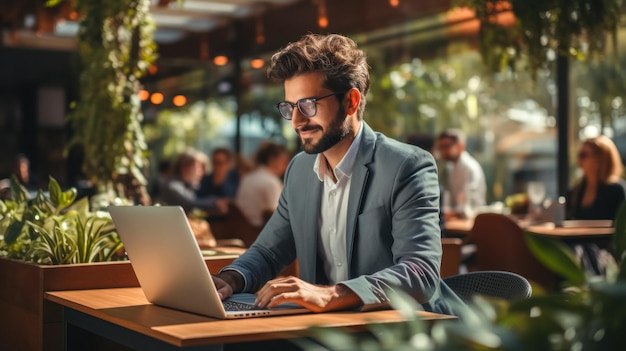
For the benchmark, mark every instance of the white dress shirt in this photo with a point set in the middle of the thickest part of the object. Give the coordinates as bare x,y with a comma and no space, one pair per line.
466,182
332,243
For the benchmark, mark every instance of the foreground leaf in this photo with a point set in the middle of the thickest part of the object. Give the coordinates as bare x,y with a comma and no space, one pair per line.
556,256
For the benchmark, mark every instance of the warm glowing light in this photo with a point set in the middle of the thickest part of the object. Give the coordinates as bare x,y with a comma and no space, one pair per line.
156,98
260,33
73,15
257,63
179,100
153,69
322,18
394,3
322,21
220,60
143,94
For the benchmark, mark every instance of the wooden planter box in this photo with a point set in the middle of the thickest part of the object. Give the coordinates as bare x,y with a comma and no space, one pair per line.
29,323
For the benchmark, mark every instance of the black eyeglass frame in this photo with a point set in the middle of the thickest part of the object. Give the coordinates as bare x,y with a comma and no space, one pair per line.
314,100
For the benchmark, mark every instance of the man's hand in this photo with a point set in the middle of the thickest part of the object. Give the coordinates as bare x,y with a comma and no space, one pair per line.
317,298
227,283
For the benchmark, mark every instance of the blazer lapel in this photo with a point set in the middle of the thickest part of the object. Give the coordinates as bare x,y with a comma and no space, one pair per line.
360,172
311,202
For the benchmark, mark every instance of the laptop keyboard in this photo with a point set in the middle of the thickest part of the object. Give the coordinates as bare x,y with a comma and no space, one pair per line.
238,306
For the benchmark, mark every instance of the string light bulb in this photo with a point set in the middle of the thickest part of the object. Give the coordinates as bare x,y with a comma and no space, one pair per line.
220,60
260,32
257,63
179,100
144,95
394,3
322,17
156,98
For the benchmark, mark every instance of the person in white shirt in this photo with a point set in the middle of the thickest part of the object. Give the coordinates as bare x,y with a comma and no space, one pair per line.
466,179
260,189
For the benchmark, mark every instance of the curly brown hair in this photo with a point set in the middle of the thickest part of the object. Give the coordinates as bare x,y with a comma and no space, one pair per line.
336,56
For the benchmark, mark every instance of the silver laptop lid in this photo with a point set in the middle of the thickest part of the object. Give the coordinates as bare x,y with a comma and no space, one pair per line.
166,258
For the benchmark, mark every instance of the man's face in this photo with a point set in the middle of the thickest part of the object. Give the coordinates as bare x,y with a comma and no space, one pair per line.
329,125
221,163
449,149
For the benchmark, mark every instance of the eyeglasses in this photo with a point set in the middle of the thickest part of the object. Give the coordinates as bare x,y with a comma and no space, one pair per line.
306,106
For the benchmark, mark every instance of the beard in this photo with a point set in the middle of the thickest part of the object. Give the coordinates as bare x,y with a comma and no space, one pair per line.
337,130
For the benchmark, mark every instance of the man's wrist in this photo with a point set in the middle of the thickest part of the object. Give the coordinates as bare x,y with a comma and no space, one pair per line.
346,298
232,278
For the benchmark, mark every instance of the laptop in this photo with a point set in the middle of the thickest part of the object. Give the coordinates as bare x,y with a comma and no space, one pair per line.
170,267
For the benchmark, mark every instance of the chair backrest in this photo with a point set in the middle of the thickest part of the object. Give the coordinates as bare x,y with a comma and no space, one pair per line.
504,285
500,246
234,225
451,258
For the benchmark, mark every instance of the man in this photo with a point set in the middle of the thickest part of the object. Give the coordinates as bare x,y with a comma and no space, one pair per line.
223,180
466,180
358,210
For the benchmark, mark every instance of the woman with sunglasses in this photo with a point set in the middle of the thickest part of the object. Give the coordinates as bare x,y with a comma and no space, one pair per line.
600,191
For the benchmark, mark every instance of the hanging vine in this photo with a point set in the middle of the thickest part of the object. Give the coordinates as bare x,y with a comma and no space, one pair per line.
543,30
116,48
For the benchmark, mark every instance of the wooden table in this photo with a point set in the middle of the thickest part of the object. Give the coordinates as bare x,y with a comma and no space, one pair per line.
462,227
126,317
549,229
458,227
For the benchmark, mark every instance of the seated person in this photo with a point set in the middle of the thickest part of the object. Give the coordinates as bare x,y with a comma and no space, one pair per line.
223,179
260,189
466,179
180,187
599,193
359,211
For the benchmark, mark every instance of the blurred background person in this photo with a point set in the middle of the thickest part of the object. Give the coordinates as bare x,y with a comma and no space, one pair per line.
223,179
465,177
180,188
21,170
426,142
600,191
596,196
260,189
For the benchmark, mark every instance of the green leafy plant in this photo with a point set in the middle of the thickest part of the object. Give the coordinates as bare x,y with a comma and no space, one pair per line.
55,228
543,29
116,47
588,313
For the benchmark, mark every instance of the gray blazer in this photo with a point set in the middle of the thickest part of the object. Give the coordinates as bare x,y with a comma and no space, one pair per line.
392,237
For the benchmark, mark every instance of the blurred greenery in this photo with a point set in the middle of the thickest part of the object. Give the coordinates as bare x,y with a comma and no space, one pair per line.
116,48
544,29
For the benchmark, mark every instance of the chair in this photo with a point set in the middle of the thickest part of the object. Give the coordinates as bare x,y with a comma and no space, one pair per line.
505,285
451,258
234,225
500,246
